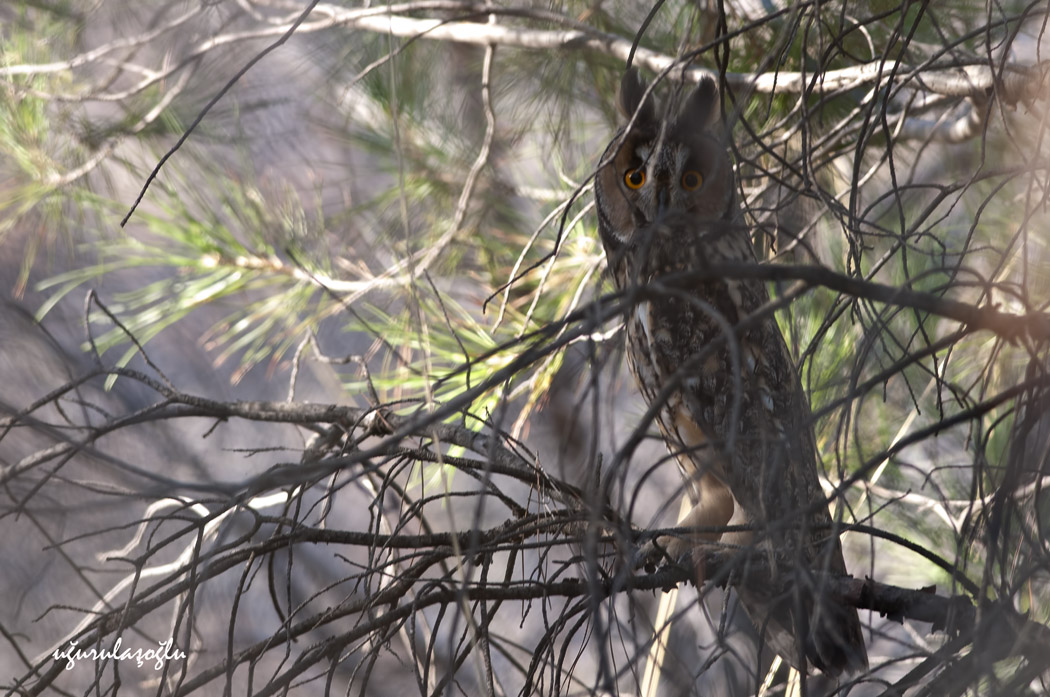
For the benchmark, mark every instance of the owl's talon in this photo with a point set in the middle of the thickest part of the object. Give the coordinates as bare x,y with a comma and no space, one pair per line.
663,552
650,556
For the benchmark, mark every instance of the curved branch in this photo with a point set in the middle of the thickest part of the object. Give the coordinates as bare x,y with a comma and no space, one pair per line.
1008,325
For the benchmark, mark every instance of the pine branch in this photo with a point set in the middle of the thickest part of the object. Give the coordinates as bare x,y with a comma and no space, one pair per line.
995,627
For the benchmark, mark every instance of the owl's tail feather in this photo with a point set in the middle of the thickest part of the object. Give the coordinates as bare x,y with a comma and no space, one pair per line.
808,628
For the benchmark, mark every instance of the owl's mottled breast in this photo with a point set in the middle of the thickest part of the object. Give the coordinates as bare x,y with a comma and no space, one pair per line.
729,382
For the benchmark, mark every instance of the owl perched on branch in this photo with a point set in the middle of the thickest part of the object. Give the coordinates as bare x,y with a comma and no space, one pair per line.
730,403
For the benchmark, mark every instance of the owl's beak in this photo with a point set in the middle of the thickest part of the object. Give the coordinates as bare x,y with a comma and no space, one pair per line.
663,202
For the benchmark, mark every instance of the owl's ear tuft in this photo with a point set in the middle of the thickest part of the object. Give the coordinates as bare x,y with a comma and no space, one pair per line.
629,99
702,107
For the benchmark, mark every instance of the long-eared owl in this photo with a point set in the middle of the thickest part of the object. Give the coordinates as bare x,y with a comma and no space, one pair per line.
733,412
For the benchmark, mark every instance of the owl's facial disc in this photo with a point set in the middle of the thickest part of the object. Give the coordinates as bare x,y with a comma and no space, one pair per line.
662,180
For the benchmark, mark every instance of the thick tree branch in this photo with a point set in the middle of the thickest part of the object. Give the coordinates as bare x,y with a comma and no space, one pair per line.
1019,83
956,615
1015,83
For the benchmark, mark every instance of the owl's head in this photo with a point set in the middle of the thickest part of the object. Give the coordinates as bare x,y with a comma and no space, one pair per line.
671,160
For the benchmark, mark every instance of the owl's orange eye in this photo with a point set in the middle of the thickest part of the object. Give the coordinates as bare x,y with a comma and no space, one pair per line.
634,178
692,180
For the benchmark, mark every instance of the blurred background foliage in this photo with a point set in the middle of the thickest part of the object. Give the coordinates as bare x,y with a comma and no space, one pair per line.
415,210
